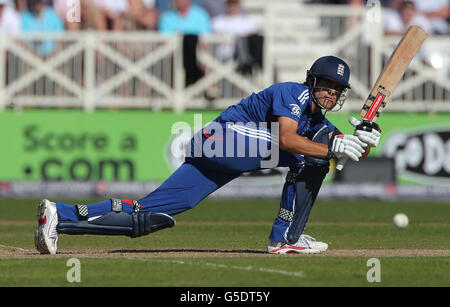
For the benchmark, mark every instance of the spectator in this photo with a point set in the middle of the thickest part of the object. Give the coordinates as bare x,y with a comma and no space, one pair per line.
21,5
191,21
186,18
113,12
329,1
90,15
398,21
164,5
141,14
234,21
9,18
437,11
40,17
62,8
383,3
214,7
248,46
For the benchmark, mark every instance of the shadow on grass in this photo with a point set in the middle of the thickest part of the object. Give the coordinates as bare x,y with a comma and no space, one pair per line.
149,251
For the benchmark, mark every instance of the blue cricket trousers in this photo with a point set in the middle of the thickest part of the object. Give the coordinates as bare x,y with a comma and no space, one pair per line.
219,153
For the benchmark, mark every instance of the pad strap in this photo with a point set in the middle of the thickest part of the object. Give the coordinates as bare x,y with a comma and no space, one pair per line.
136,206
285,214
291,177
82,212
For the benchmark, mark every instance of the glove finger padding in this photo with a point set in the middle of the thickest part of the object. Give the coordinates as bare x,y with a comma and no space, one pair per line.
352,155
348,145
351,151
354,142
371,138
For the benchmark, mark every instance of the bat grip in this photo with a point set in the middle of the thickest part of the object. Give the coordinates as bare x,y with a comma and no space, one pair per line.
341,162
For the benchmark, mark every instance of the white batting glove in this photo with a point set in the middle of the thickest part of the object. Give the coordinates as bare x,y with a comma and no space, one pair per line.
347,145
371,138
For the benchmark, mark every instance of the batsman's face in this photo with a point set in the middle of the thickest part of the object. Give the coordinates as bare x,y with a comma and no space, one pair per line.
327,93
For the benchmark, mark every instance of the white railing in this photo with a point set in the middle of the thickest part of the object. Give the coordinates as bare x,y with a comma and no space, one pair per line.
92,70
145,69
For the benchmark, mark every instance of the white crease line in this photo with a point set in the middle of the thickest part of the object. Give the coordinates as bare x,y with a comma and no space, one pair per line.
234,267
16,248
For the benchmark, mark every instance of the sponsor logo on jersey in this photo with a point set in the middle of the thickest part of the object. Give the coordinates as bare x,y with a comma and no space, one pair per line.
295,110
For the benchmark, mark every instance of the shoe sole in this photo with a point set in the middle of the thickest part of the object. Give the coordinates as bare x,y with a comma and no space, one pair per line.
290,250
321,249
41,249
39,236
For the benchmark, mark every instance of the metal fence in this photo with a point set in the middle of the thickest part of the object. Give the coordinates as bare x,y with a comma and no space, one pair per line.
92,70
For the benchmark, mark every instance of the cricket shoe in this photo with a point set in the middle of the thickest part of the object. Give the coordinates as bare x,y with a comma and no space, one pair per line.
321,246
46,236
305,245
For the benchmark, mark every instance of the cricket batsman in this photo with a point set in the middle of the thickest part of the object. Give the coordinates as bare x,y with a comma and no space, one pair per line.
286,121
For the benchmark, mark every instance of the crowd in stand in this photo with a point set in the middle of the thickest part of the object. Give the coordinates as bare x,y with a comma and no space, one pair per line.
432,15
188,16
193,18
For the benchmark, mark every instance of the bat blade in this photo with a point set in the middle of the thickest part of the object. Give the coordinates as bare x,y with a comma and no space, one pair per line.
390,76
393,72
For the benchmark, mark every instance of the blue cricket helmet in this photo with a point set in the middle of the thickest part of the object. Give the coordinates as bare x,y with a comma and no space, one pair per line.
331,68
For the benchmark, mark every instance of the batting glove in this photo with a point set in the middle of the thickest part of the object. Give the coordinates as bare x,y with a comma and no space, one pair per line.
366,131
347,145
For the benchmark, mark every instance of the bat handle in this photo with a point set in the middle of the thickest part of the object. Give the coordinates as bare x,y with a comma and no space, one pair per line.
341,162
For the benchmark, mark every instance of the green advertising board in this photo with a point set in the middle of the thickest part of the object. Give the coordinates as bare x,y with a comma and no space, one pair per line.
73,145
131,145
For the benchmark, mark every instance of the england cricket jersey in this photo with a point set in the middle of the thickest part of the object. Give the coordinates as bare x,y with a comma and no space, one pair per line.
289,99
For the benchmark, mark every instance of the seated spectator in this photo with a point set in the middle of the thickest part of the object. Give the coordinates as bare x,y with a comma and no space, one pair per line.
90,16
113,11
141,15
164,5
9,18
21,5
398,21
248,47
234,22
62,8
214,7
383,3
40,17
191,21
330,1
437,11
186,18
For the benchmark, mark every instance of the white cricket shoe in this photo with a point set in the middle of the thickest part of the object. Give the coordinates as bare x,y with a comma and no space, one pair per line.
46,236
305,245
321,246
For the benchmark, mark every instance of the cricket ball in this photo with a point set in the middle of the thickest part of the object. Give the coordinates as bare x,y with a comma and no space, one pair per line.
400,220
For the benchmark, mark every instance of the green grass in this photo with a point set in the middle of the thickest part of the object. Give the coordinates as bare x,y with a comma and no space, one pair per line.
232,272
236,226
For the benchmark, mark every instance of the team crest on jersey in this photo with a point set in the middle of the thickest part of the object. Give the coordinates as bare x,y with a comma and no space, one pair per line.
295,110
341,70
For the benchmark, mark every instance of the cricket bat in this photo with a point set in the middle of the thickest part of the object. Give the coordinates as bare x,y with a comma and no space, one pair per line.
391,75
